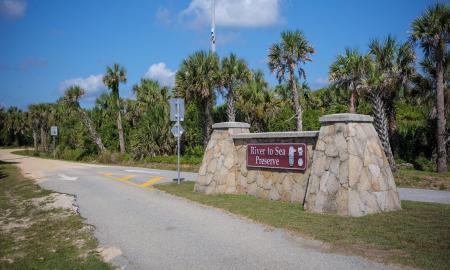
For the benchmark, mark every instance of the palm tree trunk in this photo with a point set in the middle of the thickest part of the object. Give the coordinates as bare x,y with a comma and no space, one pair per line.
230,106
392,116
441,132
92,132
297,106
208,121
392,122
43,139
35,143
119,126
351,102
380,123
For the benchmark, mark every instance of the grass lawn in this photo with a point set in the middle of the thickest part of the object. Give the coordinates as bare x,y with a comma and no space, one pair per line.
423,179
35,237
417,236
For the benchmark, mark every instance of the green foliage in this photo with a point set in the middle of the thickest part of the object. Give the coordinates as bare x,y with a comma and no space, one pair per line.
193,160
195,151
193,124
284,120
151,135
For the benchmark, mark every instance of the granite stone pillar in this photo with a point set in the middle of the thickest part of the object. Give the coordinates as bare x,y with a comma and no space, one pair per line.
350,173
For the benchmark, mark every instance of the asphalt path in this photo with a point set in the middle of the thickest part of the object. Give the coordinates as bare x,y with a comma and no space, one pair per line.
155,230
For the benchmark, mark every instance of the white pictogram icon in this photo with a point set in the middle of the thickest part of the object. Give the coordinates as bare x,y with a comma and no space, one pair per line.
291,156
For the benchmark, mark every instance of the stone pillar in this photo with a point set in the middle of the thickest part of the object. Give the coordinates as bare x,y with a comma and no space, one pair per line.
350,172
217,173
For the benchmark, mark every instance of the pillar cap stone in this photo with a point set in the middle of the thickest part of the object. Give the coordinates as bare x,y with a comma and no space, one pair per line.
346,117
227,125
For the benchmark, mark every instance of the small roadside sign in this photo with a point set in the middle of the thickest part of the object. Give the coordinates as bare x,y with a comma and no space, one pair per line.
176,109
177,130
54,130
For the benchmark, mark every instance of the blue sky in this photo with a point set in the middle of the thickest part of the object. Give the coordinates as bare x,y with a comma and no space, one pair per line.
46,46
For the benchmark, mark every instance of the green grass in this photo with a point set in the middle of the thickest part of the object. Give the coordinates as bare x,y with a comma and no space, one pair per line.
32,237
188,163
417,236
422,179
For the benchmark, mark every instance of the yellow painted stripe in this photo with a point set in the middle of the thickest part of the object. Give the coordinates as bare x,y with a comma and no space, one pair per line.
150,182
126,177
106,174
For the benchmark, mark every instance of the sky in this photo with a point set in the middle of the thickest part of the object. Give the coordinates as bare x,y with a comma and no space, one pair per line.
49,45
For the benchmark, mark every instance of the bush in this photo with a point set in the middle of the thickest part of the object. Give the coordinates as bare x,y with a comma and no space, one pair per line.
72,154
424,164
196,151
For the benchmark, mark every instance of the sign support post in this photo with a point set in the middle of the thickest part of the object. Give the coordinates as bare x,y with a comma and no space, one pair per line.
54,133
177,115
178,143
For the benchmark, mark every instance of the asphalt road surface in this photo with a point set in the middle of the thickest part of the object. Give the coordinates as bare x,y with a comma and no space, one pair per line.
154,230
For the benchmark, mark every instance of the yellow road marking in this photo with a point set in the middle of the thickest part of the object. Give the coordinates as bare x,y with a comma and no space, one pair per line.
126,177
150,182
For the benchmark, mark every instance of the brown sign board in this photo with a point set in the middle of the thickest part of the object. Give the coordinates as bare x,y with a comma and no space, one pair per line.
291,156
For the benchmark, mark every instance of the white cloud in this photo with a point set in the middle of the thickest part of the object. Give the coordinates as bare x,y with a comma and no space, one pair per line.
226,37
13,9
161,73
163,15
320,82
233,13
91,84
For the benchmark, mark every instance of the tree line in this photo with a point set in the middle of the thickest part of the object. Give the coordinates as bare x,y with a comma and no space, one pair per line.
406,94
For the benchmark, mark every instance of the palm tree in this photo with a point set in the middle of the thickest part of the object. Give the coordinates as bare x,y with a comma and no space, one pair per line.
113,77
256,102
374,86
33,122
43,111
234,72
151,136
71,99
348,72
395,62
15,124
432,31
287,57
196,80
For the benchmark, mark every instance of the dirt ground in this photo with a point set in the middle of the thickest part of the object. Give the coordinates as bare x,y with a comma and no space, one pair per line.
36,168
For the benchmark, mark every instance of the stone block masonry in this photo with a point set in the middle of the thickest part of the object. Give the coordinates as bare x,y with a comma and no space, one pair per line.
347,172
350,172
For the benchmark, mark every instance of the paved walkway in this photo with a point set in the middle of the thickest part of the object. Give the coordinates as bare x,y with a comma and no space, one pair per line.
424,195
154,230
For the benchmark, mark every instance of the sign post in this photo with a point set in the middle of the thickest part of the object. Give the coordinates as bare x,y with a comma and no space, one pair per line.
54,133
177,115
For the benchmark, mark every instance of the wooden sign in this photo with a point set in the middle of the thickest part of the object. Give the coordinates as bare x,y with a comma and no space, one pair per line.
291,156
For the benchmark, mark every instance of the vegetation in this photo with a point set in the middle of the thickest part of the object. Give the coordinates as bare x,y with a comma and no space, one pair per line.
417,236
36,237
407,96
432,32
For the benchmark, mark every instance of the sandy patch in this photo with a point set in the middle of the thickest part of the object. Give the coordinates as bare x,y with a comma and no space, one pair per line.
38,168
109,253
56,200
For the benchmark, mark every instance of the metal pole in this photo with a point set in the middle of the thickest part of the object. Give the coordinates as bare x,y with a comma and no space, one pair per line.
213,26
178,141
54,146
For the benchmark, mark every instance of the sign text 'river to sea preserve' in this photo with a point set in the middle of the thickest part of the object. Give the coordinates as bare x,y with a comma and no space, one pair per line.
290,156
